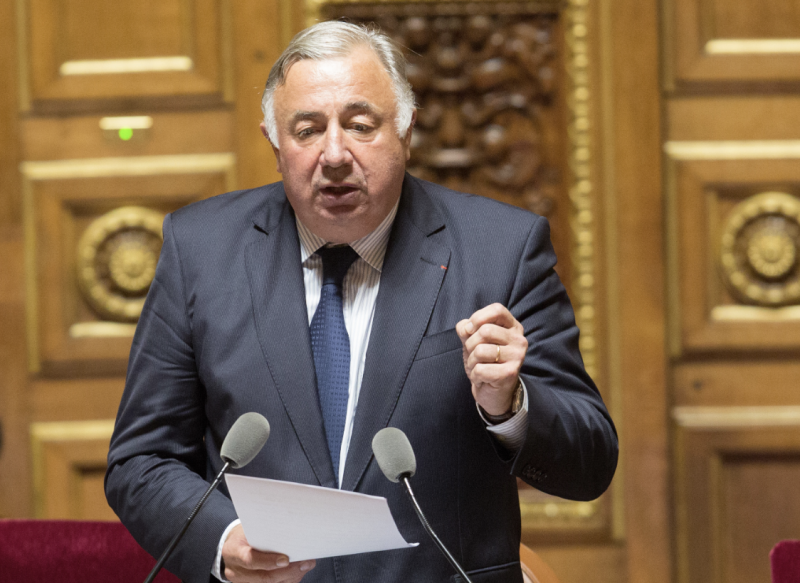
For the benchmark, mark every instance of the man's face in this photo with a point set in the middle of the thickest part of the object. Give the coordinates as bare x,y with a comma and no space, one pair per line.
338,149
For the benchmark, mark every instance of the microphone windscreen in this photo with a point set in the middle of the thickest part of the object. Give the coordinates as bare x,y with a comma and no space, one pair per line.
245,439
394,453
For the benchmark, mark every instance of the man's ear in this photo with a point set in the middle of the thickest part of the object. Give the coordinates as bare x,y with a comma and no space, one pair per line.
407,138
275,149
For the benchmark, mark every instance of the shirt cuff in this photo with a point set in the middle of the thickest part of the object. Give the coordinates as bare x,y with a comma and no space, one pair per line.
217,566
511,433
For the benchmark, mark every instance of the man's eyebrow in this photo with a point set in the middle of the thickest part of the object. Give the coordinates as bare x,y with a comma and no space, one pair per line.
352,107
361,107
305,115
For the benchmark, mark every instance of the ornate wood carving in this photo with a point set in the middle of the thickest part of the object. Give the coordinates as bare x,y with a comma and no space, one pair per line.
759,250
485,77
734,238
116,261
92,243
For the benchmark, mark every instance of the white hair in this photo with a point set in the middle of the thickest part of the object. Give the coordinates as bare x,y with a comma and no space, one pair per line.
335,39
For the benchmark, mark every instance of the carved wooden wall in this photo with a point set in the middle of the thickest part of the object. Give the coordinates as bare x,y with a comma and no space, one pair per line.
81,51
114,116
733,191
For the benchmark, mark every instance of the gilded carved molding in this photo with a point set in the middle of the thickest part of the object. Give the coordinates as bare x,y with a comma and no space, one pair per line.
759,250
580,179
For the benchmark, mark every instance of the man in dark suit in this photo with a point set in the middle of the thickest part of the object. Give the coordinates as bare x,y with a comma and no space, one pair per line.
345,299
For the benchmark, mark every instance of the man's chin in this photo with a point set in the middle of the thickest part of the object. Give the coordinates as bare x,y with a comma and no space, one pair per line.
343,225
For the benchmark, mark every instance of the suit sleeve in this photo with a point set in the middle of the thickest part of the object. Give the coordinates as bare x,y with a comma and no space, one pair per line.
571,447
157,460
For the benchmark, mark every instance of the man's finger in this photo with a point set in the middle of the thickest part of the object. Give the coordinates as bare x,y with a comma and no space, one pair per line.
495,354
489,334
291,573
266,561
464,329
494,375
243,555
493,314
244,563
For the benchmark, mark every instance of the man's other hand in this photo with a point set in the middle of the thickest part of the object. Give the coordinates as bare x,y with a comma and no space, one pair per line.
494,346
244,564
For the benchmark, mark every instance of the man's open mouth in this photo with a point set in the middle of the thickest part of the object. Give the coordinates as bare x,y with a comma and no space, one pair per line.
338,190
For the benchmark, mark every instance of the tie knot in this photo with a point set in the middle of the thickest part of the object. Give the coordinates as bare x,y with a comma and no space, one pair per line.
335,263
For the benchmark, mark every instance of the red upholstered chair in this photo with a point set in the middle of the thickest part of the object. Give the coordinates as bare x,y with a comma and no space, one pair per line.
785,561
71,551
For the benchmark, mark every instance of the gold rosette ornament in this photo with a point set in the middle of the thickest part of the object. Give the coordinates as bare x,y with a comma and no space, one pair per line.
117,257
760,247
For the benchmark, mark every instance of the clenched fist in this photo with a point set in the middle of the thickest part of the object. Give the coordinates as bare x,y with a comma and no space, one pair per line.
494,346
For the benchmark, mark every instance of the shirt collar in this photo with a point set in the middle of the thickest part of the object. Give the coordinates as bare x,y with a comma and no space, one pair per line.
371,248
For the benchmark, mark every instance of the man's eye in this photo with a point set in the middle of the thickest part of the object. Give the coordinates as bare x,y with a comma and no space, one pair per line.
360,127
304,133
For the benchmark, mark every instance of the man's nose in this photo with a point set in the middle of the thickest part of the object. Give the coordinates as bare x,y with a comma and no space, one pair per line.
335,152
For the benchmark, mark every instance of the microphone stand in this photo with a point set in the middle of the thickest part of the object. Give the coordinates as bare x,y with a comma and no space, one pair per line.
171,546
424,521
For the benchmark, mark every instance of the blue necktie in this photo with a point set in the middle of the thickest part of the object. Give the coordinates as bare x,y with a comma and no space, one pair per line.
331,347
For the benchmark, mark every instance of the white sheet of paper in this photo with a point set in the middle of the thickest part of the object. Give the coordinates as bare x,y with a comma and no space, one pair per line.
311,522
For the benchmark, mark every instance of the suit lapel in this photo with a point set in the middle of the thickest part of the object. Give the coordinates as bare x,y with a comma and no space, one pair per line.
275,275
412,275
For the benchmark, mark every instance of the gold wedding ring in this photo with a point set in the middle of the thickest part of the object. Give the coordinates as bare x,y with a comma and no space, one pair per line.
497,358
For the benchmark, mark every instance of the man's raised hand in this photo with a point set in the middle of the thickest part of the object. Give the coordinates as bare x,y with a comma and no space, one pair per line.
494,346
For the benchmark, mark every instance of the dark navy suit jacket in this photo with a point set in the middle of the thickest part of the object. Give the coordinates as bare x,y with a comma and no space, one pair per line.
224,331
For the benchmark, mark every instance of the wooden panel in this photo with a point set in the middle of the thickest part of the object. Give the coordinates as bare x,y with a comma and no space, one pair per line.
89,50
733,165
773,117
754,19
710,312
75,399
633,204
55,138
764,47
736,484
71,332
579,564
760,506
740,382
69,460
136,29
15,490
262,28
15,483
10,205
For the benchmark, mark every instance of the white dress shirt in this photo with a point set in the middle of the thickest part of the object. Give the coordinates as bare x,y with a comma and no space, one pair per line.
360,290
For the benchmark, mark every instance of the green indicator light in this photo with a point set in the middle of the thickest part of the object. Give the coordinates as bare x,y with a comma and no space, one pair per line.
125,134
